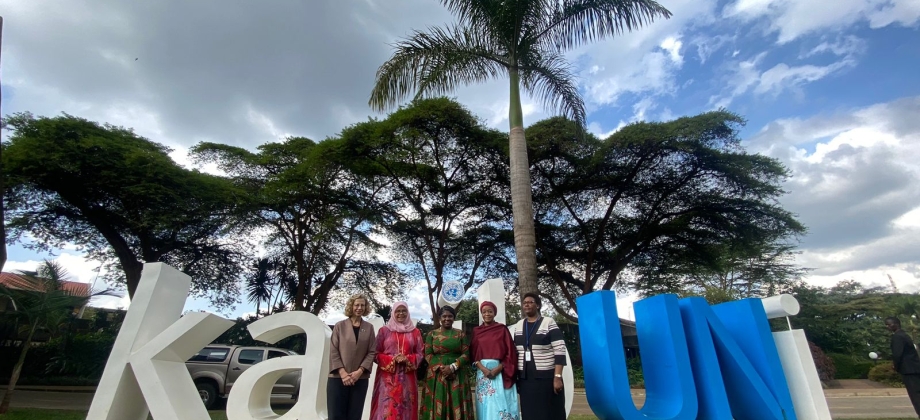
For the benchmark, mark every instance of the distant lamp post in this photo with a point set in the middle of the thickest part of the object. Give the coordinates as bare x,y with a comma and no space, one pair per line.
874,356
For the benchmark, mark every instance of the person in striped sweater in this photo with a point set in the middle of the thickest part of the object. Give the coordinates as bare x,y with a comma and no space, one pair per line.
541,357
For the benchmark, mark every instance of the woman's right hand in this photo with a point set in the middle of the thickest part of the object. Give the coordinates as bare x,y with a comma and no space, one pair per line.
346,378
485,371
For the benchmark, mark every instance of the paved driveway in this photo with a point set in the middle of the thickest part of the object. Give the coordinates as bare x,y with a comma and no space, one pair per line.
842,406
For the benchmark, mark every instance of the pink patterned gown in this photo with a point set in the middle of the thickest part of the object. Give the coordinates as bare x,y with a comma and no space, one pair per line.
396,389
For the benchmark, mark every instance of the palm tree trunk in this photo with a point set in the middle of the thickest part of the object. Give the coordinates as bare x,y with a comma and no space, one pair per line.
525,239
17,370
2,180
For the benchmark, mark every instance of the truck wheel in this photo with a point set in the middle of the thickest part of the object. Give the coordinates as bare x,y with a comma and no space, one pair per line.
208,394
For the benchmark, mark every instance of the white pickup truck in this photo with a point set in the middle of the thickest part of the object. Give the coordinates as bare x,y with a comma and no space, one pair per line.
216,367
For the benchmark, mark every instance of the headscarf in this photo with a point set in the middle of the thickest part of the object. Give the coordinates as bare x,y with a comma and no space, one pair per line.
487,303
396,326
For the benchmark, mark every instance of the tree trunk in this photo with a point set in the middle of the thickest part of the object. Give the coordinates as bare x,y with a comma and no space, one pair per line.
525,239
2,180
133,270
17,370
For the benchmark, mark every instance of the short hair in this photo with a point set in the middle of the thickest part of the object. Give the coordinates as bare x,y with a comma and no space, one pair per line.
448,309
536,298
349,306
894,320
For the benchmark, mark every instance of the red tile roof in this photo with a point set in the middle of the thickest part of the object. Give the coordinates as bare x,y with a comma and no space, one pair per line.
15,281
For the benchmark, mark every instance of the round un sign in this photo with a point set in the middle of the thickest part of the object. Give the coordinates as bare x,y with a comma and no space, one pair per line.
452,293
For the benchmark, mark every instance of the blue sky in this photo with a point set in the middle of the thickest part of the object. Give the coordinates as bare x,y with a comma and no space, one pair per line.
830,88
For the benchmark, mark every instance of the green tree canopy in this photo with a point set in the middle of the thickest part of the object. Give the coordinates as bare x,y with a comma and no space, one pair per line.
442,173
524,40
314,212
648,203
849,318
122,199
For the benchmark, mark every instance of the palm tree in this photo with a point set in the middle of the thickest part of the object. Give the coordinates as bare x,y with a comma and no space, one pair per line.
524,40
46,306
260,284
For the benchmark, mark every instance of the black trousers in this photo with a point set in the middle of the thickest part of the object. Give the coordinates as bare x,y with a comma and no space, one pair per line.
539,401
345,402
912,383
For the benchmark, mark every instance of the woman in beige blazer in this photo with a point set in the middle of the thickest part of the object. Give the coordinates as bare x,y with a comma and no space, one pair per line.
351,357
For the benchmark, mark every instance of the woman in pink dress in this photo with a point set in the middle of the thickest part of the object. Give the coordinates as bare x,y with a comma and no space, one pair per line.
399,351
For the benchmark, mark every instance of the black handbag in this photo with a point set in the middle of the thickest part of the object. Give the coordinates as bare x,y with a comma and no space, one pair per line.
422,370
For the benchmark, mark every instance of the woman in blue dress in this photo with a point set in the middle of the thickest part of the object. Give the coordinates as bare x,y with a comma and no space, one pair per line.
495,359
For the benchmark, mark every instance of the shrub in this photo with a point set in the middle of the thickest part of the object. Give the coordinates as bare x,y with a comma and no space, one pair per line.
634,371
850,367
825,365
884,372
81,355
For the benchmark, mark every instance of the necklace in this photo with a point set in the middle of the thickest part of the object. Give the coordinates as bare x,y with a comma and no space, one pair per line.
399,345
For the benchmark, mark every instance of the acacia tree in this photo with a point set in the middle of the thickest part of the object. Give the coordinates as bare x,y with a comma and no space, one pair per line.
315,212
763,267
442,170
649,202
524,40
122,199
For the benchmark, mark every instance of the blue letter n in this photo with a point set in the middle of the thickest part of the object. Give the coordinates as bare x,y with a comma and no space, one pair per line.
734,339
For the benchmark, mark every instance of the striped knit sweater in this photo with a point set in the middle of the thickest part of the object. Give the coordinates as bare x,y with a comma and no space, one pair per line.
547,344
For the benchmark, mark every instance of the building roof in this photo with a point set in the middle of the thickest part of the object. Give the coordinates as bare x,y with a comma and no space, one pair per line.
15,281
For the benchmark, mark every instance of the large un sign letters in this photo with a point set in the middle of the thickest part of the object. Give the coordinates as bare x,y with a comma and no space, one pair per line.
699,362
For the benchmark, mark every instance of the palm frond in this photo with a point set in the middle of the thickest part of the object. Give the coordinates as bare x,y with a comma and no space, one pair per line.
435,63
472,11
548,76
574,23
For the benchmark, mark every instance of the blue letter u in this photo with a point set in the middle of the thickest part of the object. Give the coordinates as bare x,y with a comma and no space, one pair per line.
669,388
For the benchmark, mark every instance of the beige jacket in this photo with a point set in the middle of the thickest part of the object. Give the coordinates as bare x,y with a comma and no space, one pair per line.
347,353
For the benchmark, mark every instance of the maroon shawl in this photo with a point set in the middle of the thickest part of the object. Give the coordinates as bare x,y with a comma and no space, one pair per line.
494,342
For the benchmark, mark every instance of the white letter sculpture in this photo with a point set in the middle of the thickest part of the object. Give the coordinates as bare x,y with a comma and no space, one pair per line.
798,364
493,290
250,397
377,322
147,365
146,371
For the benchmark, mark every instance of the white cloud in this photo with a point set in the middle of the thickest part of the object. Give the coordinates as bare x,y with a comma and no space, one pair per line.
706,45
782,77
596,129
643,62
672,45
843,46
856,186
792,19
747,76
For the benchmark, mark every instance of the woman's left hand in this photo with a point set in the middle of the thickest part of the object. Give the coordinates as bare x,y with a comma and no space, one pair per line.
445,370
557,385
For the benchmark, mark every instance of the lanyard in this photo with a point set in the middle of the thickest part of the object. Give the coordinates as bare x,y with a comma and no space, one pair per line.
527,332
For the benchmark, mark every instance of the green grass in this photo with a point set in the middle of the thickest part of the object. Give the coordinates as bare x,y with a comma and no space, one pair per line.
45,414
42,414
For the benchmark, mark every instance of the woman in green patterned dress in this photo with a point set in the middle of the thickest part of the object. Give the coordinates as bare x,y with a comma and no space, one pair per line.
446,393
